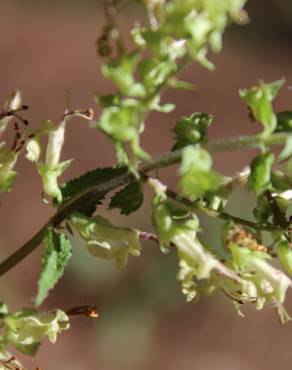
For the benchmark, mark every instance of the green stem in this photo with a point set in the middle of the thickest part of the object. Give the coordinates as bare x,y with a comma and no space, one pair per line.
164,160
218,214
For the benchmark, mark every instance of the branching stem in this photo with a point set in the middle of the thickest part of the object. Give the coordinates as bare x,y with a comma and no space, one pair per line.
165,160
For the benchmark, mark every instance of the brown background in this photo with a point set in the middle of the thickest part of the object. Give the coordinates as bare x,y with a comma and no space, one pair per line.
48,47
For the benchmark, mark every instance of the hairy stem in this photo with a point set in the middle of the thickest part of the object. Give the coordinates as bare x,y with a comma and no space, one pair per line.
162,161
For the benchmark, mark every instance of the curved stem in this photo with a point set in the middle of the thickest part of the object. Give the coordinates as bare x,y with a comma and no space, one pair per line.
164,160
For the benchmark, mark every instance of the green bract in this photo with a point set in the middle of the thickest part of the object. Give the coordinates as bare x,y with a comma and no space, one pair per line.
197,177
192,130
259,99
260,176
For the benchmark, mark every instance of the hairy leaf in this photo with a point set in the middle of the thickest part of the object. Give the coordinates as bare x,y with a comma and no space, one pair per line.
79,184
129,199
58,251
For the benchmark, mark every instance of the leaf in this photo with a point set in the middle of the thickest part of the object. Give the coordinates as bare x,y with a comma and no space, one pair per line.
129,199
155,73
107,100
260,176
58,251
259,99
92,178
192,130
196,176
121,72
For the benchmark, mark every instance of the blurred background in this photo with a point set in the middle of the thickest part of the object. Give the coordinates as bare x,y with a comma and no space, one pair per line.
47,49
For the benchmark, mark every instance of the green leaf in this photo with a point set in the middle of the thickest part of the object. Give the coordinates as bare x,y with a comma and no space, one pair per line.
260,176
259,99
121,72
196,176
155,73
192,129
122,122
58,251
92,178
107,100
129,199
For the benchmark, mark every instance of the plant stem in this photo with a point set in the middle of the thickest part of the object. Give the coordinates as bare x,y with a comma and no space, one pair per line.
218,214
162,161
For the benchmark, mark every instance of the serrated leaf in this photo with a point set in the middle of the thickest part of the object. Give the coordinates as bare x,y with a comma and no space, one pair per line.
58,251
260,176
129,199
91,178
